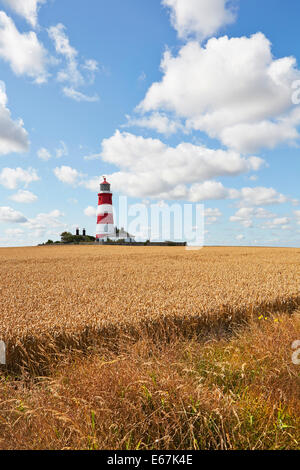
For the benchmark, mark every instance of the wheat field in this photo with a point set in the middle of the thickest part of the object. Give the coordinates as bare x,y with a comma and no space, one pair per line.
54,298
149,348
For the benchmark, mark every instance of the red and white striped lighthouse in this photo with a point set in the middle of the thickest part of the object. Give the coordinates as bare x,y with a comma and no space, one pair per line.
105,217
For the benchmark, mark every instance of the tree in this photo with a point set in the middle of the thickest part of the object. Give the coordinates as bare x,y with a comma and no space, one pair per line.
66,237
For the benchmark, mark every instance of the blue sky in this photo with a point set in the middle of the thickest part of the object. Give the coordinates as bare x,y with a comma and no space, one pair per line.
174,100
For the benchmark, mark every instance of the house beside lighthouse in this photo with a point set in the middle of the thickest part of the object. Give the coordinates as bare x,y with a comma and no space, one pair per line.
106,230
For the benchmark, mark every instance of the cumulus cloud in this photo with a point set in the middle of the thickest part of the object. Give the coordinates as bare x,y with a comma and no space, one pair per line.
212,215
67,175
246,215
261,196
209,191
200,18
158,122
232,89
61,151
280,221
24,197
23,51
11,178
9,215
277,223
39,224
13,136
44,154
148,167
26,8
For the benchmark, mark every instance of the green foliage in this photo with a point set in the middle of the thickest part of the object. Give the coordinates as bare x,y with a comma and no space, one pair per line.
67,237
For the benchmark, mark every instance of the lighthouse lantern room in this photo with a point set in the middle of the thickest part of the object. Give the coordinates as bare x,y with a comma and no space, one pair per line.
105,217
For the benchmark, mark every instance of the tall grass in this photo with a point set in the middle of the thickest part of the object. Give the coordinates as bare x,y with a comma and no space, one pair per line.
240,392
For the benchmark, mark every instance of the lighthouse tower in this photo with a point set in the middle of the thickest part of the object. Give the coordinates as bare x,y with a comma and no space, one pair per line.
105,217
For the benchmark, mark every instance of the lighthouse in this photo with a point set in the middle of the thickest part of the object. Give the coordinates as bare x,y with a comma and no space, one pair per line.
105,217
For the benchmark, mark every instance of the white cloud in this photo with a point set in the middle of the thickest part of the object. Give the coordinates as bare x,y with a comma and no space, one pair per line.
91,66
261,196
23,51
240,237
44,154
246,215
13,136
159,122
90,211
200,18
26,8
232,89
78,96
11,178
62,151
279,222
63,47
74,74
261,213
148,167
67,175
9,215
94,156
251,137
44,220
24,197
212,215
209,191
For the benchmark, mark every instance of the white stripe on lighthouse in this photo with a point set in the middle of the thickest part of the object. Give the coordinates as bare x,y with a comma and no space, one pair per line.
105,209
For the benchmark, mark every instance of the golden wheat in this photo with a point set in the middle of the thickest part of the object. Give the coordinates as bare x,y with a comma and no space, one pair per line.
52,298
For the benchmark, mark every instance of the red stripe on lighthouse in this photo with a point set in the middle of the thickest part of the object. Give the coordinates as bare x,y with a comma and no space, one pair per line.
105,198
105,219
